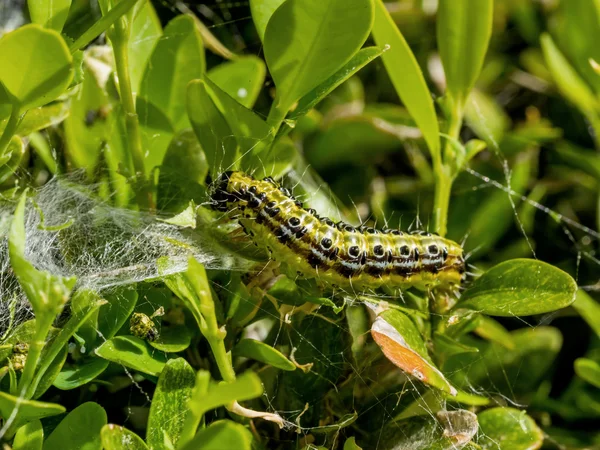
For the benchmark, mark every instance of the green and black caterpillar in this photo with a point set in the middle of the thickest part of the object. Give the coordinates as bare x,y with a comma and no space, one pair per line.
338,254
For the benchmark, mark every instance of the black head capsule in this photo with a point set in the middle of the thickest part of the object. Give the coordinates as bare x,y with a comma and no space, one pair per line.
220,194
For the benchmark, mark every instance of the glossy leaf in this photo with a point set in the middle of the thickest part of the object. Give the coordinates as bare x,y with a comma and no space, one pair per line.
182,173
520,287
145,33
406,76
134,353
83,373
177,59
401,343
514,428
262,10
566,78
51,373
116,437
28,410
220,435
37,65
79,429
157,132
247,386
358,61
242,79
173,339
589,370
324,36
169,403
29,437
211,128
589,309
119,306
12,158
259,351
49,13
464,28
42,117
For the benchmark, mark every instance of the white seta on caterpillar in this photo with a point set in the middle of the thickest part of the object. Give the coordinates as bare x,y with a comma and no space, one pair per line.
337,254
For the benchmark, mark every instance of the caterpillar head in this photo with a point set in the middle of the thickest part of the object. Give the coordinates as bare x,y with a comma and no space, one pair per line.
218,192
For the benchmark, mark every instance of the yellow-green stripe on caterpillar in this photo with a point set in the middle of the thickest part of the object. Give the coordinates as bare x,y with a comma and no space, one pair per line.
336,253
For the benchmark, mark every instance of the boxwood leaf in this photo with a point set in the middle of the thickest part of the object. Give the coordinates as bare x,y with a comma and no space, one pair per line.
259,351
112,315
49,14
406,76
464,28
568,81
589,309
324,36
520,287
79,429
37,66
261,11
242,79
358,61
589,370
514,428
116,437
169,403
177,59
220,435
28,409
75,376
29,437
134,353
401,343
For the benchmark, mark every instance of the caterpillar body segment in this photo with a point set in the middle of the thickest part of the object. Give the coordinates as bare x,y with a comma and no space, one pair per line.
337,254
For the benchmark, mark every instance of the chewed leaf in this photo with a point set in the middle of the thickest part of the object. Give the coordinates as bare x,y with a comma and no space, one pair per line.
401,343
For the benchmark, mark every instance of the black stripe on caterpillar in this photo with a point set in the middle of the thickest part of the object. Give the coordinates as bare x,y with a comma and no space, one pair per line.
338,254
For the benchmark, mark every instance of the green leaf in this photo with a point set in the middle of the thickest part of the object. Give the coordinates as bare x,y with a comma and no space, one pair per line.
119,306
259,351
49,13
145,33
157,131
169,404
116,437
211,128
36,66
42,117
351,444
569,83
81,374
247,386
406,76
242,79
134,353
514,428
520,287
589,370
492,330
464,28
221,435
173,339
401,343
29,437
182,173
358,61
262,10
589,309
51,373
40,144
14,153
177,59
324,36
80,429
27,410
511,372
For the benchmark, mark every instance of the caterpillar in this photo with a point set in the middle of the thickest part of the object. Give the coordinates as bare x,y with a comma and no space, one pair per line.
338,254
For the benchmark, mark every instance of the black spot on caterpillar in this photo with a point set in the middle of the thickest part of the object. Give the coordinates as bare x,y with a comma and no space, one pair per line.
337,254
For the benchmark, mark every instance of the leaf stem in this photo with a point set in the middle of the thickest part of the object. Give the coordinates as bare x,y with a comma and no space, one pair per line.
120,43
11,128
102,25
